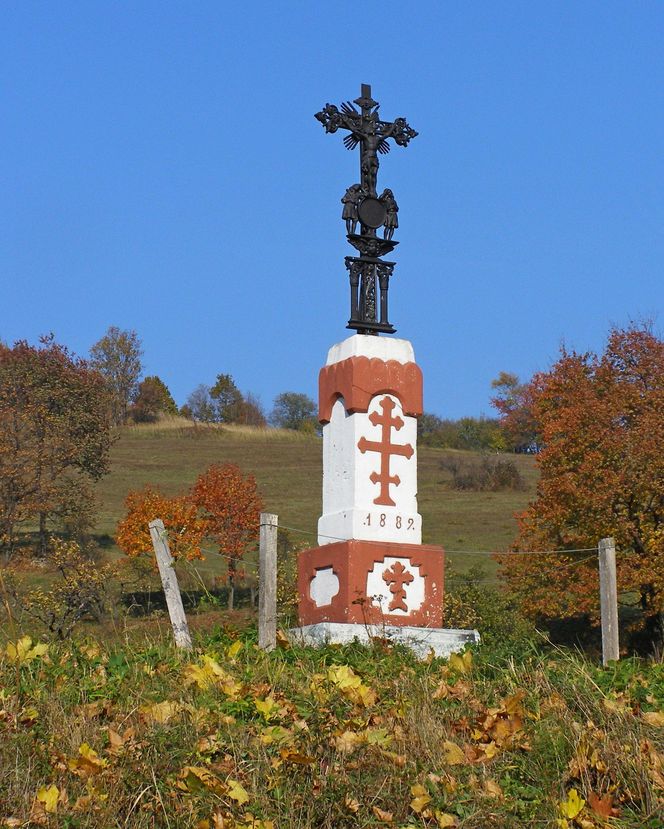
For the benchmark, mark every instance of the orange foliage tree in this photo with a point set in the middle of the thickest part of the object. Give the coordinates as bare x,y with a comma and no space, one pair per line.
601,419
230,506
223,505
181,520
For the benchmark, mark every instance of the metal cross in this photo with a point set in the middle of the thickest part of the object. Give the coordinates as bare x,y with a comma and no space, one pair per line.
386,449
395,578
367,130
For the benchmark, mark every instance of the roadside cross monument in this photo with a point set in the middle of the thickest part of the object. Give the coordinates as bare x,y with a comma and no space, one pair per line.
370,574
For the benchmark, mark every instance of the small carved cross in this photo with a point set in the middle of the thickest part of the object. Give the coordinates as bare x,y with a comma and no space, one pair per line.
386,449
396,577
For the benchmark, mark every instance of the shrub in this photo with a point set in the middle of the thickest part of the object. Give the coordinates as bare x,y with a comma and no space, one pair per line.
472,602
484,475
81,592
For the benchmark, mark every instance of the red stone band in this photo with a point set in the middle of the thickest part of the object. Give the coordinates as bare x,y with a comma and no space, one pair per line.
358,379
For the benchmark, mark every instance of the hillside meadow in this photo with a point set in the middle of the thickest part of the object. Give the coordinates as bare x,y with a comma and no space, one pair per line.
288,468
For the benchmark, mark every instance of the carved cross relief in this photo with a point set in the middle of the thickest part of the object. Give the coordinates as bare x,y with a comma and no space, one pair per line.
385,449
395,578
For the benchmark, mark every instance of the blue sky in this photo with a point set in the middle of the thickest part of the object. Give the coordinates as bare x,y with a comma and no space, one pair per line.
161,170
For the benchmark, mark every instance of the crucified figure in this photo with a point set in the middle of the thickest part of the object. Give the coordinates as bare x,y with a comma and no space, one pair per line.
366,129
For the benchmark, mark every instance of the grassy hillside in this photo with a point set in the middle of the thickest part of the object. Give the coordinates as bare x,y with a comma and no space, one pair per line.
288,468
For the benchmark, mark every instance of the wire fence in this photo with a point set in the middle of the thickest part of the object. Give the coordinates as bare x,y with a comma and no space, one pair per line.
462,552
247,567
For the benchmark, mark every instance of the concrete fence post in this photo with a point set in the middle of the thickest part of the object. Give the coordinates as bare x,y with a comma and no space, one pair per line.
267,582
170,584
608,594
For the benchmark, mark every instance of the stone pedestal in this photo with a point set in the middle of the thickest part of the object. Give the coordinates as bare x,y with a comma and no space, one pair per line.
371,582
371,570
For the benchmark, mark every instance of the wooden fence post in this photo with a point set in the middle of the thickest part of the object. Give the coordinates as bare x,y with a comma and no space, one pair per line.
170,584
267,582
608,596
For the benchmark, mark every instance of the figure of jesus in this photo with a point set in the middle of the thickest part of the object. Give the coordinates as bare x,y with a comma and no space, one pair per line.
370,141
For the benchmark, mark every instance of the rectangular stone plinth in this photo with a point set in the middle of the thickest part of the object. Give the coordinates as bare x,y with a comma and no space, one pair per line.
421,640
372,582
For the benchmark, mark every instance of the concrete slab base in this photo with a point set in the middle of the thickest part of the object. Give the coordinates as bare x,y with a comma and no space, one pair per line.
442,641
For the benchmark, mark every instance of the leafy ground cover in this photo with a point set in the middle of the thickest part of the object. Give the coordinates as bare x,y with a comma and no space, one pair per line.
512,734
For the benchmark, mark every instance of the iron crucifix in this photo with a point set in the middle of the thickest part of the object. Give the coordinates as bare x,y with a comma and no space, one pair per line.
367,130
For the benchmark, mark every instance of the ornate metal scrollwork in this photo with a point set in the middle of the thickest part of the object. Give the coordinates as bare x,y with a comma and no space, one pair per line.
362,206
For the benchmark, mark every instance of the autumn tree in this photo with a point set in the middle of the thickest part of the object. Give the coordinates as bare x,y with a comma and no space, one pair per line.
250,412
117,356
514,403
54,434
152,399
602,474
230,506
181,520
293,410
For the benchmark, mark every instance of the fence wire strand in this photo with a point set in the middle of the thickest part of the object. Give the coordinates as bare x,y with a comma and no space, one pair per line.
461,552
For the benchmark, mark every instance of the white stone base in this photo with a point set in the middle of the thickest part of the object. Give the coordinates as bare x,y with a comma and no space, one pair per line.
442,641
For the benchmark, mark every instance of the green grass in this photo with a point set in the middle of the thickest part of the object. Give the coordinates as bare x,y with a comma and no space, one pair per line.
288,468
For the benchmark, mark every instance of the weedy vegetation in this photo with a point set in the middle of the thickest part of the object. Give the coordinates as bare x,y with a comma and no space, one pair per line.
511,734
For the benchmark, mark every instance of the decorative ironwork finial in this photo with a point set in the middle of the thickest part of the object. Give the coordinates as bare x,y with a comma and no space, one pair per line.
362,205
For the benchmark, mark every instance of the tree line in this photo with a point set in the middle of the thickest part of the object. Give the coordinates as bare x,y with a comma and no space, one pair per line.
596,420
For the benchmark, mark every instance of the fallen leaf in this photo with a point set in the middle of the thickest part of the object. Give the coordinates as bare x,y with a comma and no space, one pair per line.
28,716
492,789
347,741
283,640
453,753
571,807
421,798
211,674
351,804
512,705
461,663
88,762
276,734
197,778
48,796
444,820
234,649
350,684
266,707
22,650
602,805
654,718
490,750
160,712
378,737
386,817
237,792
